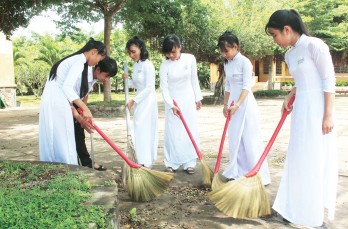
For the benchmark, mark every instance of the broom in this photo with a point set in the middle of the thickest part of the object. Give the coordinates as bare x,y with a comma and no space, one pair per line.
206,170
247,197
143,184
130,152
217,181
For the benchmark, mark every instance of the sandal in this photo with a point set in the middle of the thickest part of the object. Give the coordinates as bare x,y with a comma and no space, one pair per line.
169,170
100,168
190,170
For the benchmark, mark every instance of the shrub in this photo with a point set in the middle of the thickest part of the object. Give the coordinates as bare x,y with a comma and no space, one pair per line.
270,93
341,83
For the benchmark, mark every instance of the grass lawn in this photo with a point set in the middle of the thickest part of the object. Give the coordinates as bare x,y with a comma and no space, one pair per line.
46,196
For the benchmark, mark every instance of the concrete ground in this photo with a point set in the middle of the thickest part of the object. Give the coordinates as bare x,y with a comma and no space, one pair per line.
19,141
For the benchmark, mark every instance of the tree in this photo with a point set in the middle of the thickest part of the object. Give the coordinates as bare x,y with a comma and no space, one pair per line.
328,20
90,10
17,13
199,23
152,20
51,51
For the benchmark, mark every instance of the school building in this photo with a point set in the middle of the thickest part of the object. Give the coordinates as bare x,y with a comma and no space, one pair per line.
272,73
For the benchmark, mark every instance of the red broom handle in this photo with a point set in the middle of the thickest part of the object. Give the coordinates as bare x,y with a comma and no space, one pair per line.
199,154
129,162
218,160
257,167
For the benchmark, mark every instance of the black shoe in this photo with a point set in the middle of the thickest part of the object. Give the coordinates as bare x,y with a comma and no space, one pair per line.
286,221
100,168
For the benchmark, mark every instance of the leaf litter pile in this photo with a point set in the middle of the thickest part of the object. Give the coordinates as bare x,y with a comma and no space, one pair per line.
181,206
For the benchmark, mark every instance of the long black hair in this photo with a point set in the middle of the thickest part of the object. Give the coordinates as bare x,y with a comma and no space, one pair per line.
281,18
144,54
91,44
170,42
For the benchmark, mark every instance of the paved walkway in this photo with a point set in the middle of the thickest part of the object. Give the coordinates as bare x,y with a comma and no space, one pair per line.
19,141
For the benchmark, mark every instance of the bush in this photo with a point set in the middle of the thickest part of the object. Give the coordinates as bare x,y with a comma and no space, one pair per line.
289,83
341,83
270,93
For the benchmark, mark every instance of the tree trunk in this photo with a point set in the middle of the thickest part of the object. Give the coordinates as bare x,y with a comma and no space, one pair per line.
107,33
271,72
219,91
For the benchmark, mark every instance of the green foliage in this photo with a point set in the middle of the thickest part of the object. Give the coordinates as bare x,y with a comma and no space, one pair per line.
289,83
51,50
270,93
45,196
133,215
342,83
203,69
32,77
34,57
17,13
328,20
190,20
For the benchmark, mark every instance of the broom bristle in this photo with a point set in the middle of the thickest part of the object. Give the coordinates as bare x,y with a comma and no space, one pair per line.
207,174
132,156
217,182
242,198
145,184
125,174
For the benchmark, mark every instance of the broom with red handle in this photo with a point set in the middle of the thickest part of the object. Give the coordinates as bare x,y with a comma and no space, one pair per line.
207,171
217,181
143,184
247,197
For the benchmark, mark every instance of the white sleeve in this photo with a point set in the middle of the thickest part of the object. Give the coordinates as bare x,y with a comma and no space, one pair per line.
194,80
227,84
73,75
321,56
164,86
247,74
149,76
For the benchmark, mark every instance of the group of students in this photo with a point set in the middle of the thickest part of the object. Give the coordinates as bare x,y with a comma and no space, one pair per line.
309,180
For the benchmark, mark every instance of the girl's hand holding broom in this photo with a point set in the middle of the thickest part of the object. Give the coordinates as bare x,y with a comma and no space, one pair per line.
206,170
143,184
217,181
246,197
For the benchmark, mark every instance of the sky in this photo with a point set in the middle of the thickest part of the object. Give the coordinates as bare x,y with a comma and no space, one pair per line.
43,24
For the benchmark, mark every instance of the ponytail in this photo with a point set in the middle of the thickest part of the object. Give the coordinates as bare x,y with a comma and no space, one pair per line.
292,18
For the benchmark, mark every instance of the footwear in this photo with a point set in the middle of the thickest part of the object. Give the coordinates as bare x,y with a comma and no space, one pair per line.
100,168
190,170
286,221
169,170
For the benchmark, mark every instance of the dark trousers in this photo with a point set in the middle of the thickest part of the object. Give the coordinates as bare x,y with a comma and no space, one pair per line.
81,148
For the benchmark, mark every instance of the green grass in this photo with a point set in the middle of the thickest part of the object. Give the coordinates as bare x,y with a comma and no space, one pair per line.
93,99
45,196
29,101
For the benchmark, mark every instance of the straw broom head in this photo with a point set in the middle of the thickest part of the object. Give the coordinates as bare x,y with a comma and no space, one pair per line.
145,184
217,181
242,198
131,155
207,174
